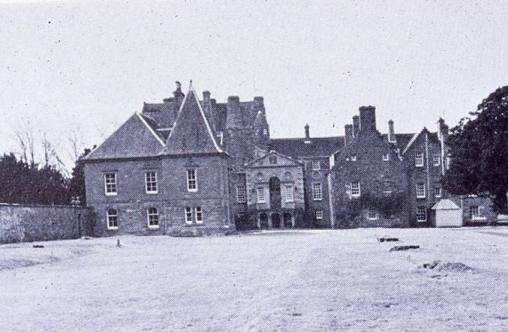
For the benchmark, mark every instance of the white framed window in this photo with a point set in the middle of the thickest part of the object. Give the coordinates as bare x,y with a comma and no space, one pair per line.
188,215
421,214
112,219
151,182
372,214
319,214
420,190
152,216
265,131
386,157
353,157
316,165
475,212
290,197
260,193
241,193
437,192
110,188
436,159
355,189
199,215
192,180
419,161
317,192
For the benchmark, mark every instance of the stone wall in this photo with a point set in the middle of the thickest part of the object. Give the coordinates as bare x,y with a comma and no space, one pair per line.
25,223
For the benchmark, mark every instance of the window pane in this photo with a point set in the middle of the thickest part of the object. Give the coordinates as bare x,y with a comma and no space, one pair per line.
316,191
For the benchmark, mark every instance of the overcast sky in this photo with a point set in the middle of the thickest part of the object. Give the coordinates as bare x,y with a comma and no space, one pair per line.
88,66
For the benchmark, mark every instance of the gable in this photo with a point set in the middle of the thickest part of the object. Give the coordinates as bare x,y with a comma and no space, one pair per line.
274,159
135,138
191,132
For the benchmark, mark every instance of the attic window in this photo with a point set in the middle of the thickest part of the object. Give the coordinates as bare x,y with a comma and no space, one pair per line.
386,156
353,158
273,160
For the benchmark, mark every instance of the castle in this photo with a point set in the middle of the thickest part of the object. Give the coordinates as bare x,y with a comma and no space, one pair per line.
201,164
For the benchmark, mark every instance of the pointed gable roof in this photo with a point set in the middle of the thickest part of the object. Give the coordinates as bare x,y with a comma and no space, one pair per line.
135,138
191,132
282,161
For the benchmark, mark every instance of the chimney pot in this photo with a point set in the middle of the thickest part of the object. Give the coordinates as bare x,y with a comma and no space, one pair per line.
356,125
348,137
307,131
391,132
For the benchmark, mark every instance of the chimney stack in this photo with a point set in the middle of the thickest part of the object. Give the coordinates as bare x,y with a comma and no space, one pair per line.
443,130
307,131
348,138
233,113
391,132
206,96
356,125
367,118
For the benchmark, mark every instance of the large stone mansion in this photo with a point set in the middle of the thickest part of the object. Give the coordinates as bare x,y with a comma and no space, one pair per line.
198,163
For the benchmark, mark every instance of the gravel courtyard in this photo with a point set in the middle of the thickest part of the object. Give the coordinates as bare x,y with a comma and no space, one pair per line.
306,280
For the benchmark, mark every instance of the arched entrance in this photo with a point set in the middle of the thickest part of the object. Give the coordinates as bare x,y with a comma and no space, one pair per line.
288,220
275,199
263,221
276,220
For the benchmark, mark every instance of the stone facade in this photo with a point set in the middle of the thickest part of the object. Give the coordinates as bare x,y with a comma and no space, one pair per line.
387,180
243,175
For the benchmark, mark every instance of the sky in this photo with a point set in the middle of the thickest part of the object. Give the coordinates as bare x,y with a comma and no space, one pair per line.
81,68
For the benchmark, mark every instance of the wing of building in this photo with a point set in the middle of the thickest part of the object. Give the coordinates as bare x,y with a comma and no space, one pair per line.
193,163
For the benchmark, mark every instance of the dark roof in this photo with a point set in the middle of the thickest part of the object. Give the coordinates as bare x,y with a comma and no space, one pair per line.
191,133
315,146
401,140
135,138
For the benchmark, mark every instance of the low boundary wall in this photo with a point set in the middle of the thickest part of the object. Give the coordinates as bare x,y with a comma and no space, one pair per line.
25,223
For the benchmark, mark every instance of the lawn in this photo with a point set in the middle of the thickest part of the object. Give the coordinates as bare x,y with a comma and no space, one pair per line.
306,280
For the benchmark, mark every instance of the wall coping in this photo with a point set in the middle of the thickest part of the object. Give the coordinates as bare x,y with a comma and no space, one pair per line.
23,205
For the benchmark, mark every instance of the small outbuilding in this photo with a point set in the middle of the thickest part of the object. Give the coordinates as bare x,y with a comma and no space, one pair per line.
448,214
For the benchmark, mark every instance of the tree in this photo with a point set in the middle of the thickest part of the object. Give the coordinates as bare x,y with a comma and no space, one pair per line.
479,151
77,182
26,183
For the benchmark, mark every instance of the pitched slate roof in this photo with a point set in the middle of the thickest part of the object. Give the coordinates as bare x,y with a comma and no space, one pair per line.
302,147
135,138
432,136
191,133
445,204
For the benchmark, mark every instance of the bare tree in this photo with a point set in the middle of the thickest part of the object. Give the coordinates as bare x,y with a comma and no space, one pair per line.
26,143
